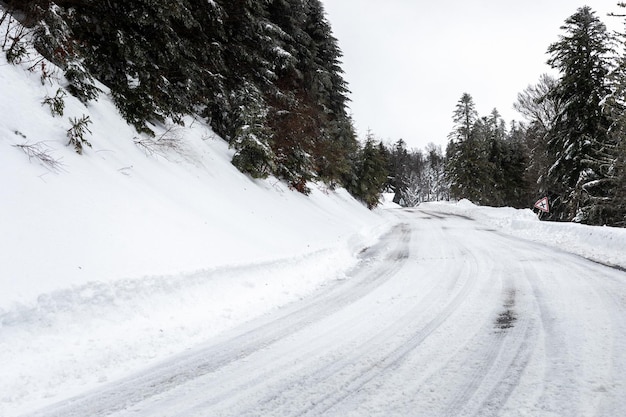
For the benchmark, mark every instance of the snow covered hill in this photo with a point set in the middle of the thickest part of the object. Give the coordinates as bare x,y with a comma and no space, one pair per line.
127,253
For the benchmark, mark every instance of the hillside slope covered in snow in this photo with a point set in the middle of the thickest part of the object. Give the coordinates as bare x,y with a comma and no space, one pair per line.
134,249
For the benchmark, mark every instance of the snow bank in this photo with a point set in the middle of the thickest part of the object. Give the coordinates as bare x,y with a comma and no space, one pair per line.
602,244
117,213
117,258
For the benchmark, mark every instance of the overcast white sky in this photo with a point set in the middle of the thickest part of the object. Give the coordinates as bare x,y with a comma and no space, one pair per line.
408,62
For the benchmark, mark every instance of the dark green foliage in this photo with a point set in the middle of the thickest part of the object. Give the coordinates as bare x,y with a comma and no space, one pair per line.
611,209
465,155
484,163
579,136
334,150
251,139
310,107
295,133
266,74
15,49
370,172
54,39
253,157
76,133
81,83
618,203
399,167
467,171
56,103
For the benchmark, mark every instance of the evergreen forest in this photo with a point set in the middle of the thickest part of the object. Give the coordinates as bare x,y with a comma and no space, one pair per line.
571,147
266,75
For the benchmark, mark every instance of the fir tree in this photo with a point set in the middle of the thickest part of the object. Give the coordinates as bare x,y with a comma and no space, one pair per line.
370,172
436,185
251,140
579,137
464,118
311,85
614,206
465,154
399,171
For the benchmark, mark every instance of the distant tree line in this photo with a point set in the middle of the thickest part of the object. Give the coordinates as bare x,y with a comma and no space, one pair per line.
572,146
415,176
266,75
484,162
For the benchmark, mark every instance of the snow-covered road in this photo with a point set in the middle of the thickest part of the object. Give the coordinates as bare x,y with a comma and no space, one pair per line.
443,317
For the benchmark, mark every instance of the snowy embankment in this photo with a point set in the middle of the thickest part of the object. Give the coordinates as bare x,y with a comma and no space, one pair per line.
606,245
117,258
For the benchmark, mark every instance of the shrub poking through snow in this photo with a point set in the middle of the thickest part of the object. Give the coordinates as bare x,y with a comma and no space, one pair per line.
56,103
76,133
14,40
170,140
40,152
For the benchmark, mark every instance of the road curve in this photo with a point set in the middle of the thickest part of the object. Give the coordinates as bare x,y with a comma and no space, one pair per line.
443,317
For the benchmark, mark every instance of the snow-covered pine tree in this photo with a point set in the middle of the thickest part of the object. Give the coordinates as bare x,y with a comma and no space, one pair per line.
436,186
312,96
251,139
336,144
494,136
293,118
464,117
370,168
506,164
466,169
614,206
399,171
579,136
517,190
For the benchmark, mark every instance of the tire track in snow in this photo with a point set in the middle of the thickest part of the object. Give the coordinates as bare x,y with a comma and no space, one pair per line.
370,365
583,351
508,371
503,363
394,359
502,355
371,272
272,405
495,356
394,260
505,358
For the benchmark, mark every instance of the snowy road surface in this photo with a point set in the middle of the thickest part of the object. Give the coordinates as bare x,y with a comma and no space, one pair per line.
444,317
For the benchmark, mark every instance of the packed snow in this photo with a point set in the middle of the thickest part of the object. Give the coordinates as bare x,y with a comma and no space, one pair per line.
121,257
